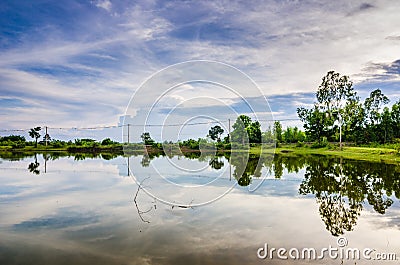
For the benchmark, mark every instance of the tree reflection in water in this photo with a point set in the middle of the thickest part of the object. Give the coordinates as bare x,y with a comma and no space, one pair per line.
33,167
341,186
246,166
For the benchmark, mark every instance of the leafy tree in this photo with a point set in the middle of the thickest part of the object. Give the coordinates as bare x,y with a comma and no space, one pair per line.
239,134
293,135
386,125
107,141
278,131
15,141
34,133
254,132
335,97
268,136
353,121
215,133
246,131
373,105
191,144
395,117
334,91
246,120
146,138
12,138
314,123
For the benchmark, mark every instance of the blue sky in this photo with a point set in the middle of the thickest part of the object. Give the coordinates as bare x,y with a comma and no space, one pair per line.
77,63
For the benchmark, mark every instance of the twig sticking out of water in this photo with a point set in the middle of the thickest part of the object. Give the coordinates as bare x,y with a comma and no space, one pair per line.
140,212
184,206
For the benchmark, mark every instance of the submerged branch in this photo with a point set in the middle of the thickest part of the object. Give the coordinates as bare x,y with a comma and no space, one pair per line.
140,212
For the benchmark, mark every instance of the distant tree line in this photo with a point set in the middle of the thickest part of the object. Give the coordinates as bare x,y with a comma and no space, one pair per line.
18,141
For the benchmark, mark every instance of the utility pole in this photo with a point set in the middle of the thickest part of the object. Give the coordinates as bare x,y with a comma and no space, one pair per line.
229,129
128,132
46,136
230,165
340,130
128,165
45,163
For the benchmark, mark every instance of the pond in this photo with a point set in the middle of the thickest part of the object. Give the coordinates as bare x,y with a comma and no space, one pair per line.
197,209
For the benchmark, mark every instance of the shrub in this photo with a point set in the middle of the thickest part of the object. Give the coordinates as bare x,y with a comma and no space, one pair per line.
108,141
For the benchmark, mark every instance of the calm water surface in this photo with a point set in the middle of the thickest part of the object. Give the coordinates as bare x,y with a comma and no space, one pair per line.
198,210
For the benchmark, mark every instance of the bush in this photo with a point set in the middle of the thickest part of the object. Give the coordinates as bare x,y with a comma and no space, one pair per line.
322,144
57,143
108,141
397,148
12,138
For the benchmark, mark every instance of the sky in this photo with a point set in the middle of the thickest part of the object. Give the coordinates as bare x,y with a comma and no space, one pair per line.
67,64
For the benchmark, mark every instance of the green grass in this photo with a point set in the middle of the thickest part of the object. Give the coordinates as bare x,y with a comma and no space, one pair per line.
373,154
385,154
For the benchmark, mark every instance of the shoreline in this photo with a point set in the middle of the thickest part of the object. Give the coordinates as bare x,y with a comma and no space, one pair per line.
372,154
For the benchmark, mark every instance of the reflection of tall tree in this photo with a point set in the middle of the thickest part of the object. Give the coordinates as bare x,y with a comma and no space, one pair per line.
33,167
216,163
145,161
336,215
246,167
342,186
292,163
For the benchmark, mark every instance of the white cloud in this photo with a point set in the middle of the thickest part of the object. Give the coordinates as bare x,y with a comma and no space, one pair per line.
105,4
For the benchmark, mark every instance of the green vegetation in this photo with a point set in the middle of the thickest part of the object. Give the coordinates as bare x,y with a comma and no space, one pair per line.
339,115
34,133
384,153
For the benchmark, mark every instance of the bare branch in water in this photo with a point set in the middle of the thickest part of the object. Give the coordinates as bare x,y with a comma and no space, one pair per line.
184,206
140,212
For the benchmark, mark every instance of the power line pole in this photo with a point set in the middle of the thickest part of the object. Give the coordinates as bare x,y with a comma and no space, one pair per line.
46,136
340,133
229,129
230,165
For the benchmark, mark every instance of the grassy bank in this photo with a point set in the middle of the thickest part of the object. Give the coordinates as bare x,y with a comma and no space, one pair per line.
373,154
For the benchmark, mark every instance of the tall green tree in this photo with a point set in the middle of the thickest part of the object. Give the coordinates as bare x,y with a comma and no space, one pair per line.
278,131
215,133
334,95
314,122
146,138
395,116
373,116
34,133
239,134
353,121
373,105
268,136
246,131
254,132
334,92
